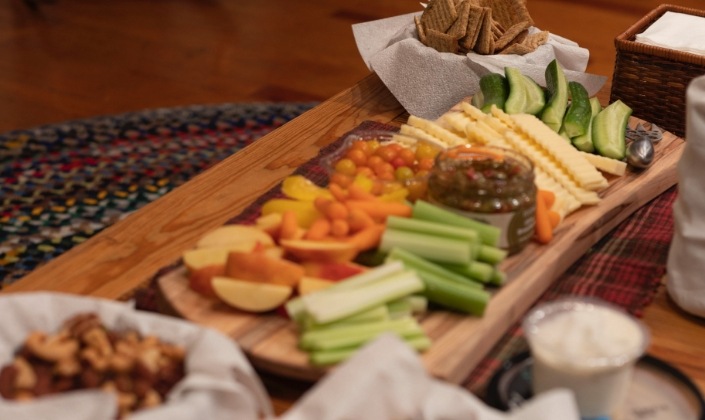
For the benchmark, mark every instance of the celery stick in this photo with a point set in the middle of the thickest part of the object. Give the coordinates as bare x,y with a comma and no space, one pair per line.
295,307
430,247
419,304
498,277
492,255
454,295
476,270
378,313
432,228
330,357
399,308
423,210
421,265
331,305
355,335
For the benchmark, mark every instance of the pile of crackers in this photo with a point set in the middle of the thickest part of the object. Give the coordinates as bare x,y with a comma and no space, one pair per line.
481,26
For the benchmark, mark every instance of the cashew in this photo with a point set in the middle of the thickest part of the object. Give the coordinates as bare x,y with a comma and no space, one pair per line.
151,399
67,367
98,361
51,349
98,339
26,377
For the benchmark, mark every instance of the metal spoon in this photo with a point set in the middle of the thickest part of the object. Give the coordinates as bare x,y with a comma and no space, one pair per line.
640,153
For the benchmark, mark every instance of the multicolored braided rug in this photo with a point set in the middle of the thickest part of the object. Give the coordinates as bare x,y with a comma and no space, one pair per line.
63,183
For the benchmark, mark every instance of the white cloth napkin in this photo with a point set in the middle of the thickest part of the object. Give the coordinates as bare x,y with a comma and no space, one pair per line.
427,83
387,380
686,258
219,384
676,31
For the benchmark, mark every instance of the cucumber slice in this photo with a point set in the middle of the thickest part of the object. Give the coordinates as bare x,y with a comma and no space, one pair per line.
525,96
577,117
584,142
557,103
495,90
609,128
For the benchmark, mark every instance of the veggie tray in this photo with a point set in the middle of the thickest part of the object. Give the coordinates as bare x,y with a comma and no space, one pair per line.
459,341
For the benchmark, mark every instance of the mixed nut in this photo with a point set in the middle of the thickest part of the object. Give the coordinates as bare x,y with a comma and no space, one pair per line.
85,354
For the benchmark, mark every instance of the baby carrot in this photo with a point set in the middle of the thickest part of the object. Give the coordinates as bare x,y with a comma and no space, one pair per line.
544,232
367,238
338,192
336,210
358,220
319,229
380,210
547,196
356,192
555,218
339,228
290,226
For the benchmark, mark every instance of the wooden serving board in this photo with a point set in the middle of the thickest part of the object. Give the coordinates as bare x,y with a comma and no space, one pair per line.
460,342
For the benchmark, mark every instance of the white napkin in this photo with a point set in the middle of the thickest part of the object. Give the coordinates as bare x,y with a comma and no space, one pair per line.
387,380
427,83
219,384
686,258
676,31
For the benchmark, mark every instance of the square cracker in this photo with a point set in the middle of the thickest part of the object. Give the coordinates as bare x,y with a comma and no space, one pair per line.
439,15
510,34
475,18
441,42
459,28
485,39
509,12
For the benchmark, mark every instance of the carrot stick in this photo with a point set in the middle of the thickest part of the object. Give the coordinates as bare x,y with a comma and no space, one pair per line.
555,218
338,192
290,226
380,210
336,210
367,238
319,229
356,192
358,220
339,228
547,196
543,230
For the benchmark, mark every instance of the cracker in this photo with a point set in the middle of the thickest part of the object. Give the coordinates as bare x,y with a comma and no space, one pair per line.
459,28
510,34
519,49
441,42
536,40
510,12
475,17
439,15
420,30
485,40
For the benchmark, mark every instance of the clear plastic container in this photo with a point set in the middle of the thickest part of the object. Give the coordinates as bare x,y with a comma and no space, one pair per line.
588,346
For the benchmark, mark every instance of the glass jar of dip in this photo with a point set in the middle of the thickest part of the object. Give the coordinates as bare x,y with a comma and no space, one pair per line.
489,184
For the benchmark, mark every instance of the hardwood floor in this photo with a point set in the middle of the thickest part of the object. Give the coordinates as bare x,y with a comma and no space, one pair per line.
70,59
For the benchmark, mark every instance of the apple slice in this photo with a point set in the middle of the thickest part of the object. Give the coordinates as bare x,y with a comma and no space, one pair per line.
322,251
235,236
311,284
250,296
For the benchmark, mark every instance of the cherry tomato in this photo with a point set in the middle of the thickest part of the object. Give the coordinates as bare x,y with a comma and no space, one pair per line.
357,156
408,156
403,173
425,150
425,164
374,160
341,179
398,162
386,153
346,166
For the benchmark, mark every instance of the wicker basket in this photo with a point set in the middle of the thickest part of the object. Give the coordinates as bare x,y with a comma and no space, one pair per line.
653,80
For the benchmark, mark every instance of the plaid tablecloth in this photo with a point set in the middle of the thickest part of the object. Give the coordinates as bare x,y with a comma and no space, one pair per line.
624,268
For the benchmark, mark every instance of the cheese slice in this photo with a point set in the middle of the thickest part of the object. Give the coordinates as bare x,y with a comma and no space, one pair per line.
436,130
605,164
